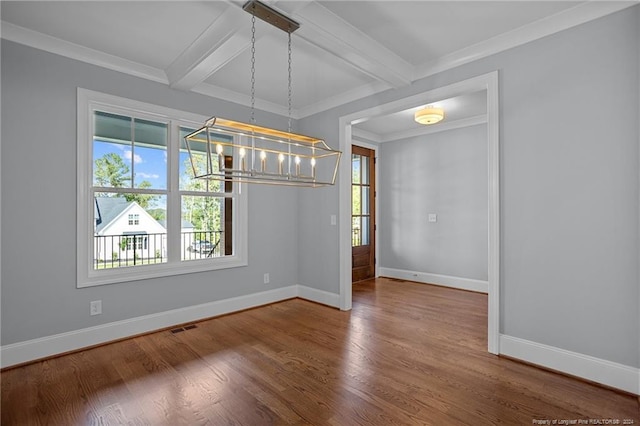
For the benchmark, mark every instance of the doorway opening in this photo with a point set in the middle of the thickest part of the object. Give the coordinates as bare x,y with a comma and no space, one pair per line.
487,82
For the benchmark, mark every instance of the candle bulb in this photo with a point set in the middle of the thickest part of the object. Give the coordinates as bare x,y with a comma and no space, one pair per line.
280,161
297,161
313,167
263,160
242,152
220,157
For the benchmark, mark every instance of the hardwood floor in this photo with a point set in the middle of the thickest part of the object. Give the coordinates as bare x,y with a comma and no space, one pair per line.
406,354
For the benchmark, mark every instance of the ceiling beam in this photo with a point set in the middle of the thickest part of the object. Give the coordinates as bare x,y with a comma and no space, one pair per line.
226,37
324,29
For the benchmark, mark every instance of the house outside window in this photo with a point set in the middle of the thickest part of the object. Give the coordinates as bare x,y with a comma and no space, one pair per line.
141,212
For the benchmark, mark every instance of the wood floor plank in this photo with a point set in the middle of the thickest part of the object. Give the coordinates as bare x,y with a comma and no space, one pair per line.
406,354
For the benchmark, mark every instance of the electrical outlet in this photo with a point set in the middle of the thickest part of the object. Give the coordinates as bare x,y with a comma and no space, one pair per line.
266,278
96,307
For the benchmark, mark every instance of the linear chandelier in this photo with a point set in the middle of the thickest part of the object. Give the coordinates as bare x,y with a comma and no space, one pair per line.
232,151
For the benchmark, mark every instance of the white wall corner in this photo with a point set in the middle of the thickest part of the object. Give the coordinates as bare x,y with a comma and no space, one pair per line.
319,296
436,279
22,352
598,370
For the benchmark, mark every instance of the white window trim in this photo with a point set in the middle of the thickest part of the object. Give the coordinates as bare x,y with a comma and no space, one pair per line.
88,101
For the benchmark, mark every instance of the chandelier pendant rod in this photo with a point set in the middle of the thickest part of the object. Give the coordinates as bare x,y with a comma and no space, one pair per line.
289,100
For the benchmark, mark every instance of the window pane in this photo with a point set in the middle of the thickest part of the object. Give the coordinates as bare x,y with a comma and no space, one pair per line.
356,203
112,150
126,233
365,170
355,168
199,158
187,181
129,152
365,200
112,127
149,154
203,227
364,232
355,231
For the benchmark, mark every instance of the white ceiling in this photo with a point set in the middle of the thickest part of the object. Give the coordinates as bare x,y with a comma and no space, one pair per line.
343,51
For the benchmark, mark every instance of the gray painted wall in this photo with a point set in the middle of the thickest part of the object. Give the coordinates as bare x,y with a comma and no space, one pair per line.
39,294
569,195
569,187
443,173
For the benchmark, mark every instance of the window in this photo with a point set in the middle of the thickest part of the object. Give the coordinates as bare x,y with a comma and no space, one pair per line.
134,219
139,242
141,214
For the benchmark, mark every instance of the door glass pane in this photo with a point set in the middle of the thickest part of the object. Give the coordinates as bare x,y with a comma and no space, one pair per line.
355,200
364,232
355,168
365,170
365,200
355,231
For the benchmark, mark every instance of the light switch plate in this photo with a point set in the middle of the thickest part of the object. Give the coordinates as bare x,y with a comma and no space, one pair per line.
433,217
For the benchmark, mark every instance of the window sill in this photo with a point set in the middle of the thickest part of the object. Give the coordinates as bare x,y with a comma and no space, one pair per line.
136,273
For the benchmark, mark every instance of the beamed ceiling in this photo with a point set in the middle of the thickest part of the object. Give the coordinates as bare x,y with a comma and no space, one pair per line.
343,51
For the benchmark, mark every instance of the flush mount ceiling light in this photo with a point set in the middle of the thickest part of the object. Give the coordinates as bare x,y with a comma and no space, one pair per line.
429,115
232,151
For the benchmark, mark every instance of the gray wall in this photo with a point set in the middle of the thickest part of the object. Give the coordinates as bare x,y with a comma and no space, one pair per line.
39,294
569,187
569,195
443,173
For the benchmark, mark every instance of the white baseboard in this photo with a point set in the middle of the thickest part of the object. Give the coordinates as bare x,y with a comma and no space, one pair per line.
18,353
441,280
319,296
598,370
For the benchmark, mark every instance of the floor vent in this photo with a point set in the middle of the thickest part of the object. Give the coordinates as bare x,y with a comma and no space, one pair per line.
181,329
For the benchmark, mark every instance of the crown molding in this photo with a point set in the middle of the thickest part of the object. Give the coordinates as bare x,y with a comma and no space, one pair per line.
55,45
549,25
239,98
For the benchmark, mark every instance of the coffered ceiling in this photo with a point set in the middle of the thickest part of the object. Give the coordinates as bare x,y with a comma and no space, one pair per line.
344,50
